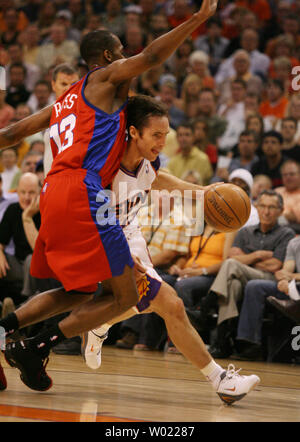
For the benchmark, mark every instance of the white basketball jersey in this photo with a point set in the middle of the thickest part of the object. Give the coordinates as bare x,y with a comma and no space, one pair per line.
131,189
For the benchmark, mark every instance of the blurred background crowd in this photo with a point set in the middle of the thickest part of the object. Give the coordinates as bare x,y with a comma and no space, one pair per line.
233,95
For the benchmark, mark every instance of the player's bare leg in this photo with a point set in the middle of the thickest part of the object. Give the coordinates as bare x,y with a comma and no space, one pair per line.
228,384
86,316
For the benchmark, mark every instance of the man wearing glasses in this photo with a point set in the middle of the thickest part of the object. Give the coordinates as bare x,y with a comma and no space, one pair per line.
257,253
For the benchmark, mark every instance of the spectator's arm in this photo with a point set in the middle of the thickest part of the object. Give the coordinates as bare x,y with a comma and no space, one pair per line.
249,258
269,265
288,271
164,258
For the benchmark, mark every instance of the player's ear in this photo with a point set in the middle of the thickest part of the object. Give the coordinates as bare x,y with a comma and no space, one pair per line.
108,56
133,132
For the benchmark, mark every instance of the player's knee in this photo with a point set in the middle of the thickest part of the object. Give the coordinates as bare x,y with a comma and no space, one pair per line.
176,309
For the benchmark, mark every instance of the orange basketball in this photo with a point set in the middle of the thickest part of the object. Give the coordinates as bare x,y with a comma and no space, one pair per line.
226,207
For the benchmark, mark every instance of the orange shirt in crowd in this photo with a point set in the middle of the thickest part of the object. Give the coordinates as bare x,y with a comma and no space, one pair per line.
260,8
21,25
211,253
277,111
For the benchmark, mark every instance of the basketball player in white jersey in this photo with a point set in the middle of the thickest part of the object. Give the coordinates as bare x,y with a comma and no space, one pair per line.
148,126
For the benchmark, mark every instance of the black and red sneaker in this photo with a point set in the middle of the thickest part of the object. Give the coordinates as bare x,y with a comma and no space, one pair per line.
3,382
31,366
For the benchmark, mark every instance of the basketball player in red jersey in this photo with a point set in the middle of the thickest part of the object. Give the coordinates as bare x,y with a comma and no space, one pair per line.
87,131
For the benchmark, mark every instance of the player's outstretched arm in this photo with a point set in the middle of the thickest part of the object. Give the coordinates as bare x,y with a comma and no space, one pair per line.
161,48
166,181
14,133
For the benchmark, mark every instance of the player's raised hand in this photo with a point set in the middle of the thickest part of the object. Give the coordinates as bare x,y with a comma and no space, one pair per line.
208,8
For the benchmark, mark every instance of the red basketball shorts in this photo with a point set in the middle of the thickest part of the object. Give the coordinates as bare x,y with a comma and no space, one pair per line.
79,243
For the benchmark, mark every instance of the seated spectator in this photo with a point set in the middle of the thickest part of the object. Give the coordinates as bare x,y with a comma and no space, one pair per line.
30,41
178,63
148,82
11,33
190,90
5,200
41,97
113,19
189,156
260,8
251,317
257,253
259,62
242,178
212,43
37,146
233,111
252,103
198,63
241,69
207,111
64,18
290,192
284,47
247,157
276,104
20,222
10,168
58,51
180,13
133,40
283,72
167,95
260,183
247,148
272,158
290,148
255,123
29,163
293,111
201,130
19,17
16,92
33,74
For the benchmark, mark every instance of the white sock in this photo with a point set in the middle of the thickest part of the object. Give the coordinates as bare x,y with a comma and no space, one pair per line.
100,331
212,371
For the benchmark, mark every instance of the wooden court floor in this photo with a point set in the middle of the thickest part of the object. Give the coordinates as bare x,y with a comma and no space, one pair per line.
148,386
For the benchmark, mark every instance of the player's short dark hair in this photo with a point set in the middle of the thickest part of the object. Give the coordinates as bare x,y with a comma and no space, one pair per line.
95,43
140,108
64,68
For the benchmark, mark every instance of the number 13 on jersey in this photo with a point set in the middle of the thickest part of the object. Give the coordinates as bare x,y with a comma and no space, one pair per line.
62,132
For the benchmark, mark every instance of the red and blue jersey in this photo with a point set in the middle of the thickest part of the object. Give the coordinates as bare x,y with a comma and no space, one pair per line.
85,137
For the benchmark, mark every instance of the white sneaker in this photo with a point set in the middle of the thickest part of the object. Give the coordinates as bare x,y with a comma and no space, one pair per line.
91,346
232,387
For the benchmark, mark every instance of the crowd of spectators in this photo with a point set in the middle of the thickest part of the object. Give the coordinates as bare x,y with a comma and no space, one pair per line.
233,97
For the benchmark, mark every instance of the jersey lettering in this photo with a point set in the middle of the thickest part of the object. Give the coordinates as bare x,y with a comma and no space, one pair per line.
66,127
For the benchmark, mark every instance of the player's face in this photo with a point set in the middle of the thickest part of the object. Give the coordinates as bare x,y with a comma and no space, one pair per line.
152,139
62,83
118,50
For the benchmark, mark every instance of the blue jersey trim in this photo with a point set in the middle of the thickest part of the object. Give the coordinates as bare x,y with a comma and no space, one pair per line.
97,109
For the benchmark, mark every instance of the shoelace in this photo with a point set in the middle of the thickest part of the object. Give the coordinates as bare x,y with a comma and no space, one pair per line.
232,372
